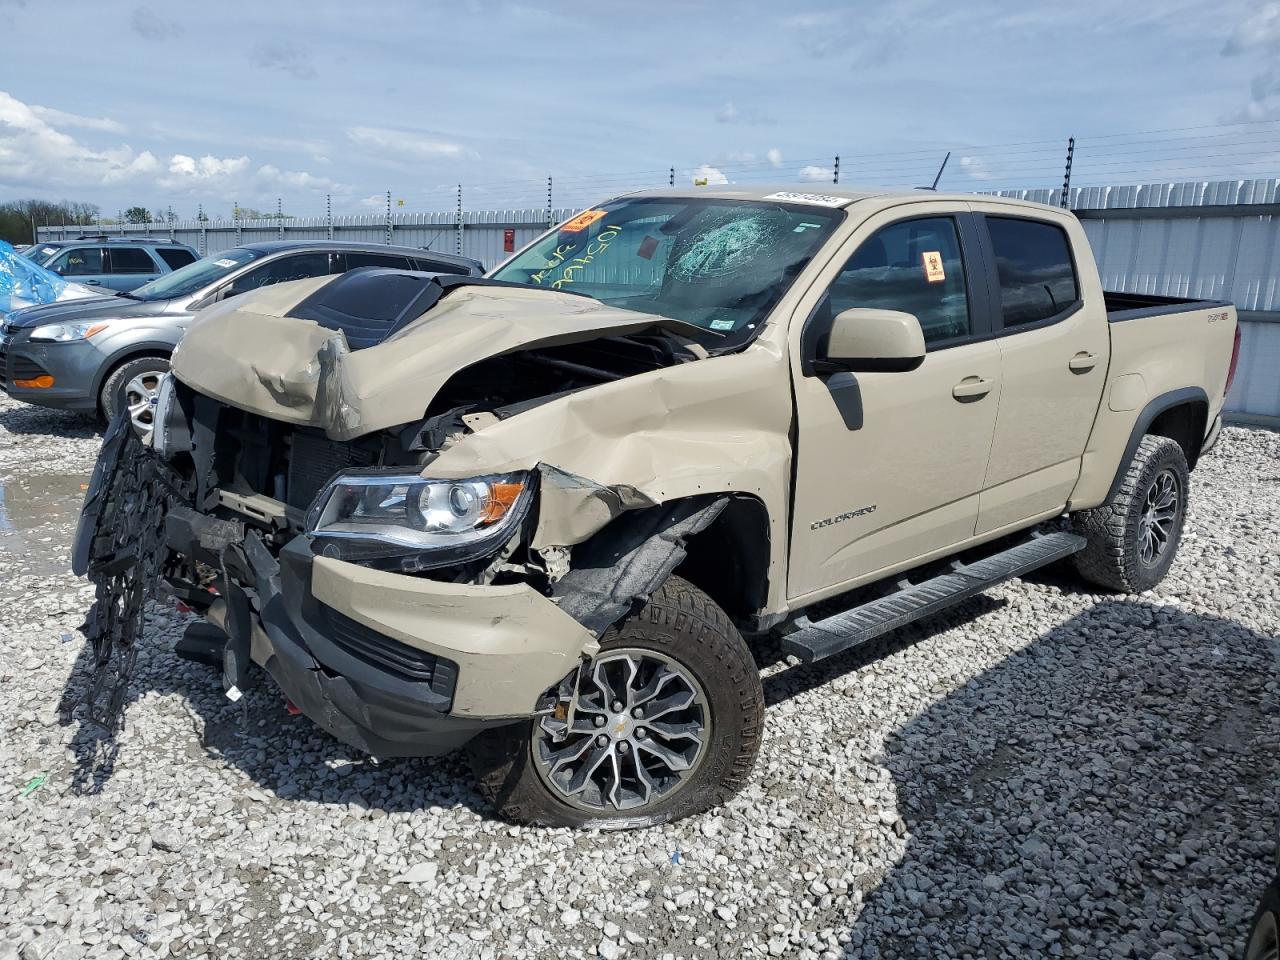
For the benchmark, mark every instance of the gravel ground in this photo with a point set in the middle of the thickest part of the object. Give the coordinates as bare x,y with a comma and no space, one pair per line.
1040,772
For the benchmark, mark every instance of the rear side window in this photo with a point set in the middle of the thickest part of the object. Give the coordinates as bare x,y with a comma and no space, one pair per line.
79,262
439,266
915,266
130,260
1037,276
175,257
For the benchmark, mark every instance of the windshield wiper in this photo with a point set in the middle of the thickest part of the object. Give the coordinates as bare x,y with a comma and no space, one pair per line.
691,326
126,293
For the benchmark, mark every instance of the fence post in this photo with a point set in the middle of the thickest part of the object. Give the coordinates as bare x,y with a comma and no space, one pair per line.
328,216
458,239
388,240
671,178
204,238
1066,177
235,217
279,219
835,175
550,222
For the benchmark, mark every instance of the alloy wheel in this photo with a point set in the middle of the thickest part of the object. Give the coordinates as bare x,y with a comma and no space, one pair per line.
140,396
1156,525
632,731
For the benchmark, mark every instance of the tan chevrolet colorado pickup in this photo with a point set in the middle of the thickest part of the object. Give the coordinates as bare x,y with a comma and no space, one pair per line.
546,513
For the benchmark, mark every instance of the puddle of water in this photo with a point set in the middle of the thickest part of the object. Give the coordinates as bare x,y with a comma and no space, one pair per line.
38,516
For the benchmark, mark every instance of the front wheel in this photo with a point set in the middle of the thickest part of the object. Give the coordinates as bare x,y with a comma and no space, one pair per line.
665,722
134,386
1132,539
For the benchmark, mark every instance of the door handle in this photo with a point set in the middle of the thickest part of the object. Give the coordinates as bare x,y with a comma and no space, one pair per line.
972,388
92,283
1083,362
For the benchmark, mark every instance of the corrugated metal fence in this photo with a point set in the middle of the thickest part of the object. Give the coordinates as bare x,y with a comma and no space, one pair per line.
1216,240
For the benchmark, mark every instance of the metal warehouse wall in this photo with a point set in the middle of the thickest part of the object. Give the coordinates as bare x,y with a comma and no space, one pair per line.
1216,240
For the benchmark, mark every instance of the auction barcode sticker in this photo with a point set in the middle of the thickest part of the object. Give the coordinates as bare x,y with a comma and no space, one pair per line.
819,199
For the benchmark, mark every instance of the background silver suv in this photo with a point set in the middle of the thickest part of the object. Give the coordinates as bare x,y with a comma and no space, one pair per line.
114,263
106,352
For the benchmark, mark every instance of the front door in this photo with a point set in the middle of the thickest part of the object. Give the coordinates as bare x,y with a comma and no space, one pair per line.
889,466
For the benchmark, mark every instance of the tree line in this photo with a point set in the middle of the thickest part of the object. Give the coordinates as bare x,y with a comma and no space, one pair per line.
18,216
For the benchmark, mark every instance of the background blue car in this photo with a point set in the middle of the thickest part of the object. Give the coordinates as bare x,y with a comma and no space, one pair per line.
113,263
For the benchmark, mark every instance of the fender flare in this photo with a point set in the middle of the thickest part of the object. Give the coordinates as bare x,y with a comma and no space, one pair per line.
1153,409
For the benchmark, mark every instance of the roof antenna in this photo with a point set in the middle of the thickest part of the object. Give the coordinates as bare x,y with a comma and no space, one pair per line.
934,186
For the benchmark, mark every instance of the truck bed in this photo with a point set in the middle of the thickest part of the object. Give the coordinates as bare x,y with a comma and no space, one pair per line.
1131,306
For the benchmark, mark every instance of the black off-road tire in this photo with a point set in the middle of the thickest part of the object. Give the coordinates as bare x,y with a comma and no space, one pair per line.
679,622
111,396
1263,942
1113,557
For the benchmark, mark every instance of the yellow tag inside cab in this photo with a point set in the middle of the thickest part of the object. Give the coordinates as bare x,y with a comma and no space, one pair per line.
581,221
933,271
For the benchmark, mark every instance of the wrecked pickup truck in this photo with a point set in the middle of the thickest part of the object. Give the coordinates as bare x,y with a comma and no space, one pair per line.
546,513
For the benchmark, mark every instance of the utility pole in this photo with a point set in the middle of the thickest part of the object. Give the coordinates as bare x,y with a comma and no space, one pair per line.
458,239
1066,177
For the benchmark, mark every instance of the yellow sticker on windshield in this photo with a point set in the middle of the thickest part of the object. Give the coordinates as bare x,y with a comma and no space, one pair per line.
583,220
933,271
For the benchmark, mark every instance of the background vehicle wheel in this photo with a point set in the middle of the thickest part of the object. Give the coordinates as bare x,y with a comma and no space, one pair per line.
1264,934
665,723
133,385
1133,539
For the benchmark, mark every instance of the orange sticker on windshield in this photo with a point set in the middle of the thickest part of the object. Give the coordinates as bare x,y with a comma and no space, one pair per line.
583,220
933,271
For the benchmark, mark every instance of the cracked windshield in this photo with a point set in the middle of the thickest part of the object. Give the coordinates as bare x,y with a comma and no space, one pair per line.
720,265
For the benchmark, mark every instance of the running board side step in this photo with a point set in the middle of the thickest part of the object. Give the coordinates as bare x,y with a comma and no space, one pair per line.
817,640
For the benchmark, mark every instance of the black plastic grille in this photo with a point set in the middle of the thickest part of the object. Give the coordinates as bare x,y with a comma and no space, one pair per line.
401,659
24,369
314,459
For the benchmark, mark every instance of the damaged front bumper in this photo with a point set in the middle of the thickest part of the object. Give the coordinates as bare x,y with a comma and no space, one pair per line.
390,664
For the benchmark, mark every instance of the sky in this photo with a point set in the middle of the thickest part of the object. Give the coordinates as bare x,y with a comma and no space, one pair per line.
178,104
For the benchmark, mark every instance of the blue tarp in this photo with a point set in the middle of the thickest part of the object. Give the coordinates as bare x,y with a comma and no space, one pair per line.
23,283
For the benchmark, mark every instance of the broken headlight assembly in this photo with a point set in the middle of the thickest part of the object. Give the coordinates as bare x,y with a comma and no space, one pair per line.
408,523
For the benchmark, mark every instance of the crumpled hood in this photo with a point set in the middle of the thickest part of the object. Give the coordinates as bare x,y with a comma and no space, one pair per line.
251,354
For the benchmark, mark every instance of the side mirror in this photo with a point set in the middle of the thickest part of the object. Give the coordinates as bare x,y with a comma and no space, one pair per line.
870,341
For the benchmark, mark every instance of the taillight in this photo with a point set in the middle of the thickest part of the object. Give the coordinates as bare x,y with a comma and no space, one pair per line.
1235,358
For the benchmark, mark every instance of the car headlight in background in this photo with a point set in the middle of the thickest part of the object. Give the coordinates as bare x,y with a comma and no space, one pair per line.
412,523
64,332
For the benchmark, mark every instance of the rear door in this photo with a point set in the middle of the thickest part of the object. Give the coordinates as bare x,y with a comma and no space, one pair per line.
128,267
889,466
1054,350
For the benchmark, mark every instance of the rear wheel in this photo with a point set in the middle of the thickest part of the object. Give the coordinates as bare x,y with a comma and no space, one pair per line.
1264,935
1133,539
133,386
665,722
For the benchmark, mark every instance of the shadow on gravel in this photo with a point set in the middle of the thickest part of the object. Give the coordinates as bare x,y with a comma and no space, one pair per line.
1109,791
26,419
282,754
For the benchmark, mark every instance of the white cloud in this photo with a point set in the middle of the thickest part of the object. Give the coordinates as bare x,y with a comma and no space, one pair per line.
815,174
295,179
403,144
1260,31
207,167
775,156
33,152
59,118
375,201
712,174
977,168
730,113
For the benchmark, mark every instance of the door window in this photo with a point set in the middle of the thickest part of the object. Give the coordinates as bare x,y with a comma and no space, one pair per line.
360,258
80,262
297,267
130,260
914,266
1033,261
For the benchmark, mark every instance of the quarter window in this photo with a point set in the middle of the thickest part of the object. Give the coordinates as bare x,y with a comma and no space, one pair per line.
1033,261
175,257
914,266
363,259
